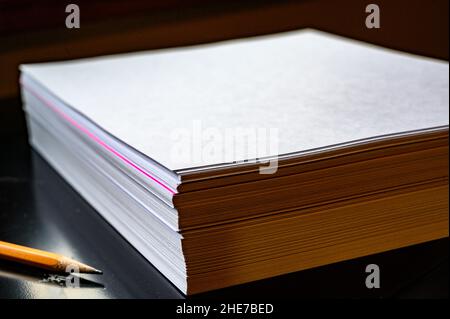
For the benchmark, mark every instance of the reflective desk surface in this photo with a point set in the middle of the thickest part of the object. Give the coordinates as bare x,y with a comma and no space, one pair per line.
39,209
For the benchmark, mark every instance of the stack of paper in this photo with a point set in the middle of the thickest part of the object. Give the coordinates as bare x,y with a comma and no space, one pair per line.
238,161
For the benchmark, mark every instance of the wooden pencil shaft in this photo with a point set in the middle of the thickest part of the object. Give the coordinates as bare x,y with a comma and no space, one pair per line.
42,259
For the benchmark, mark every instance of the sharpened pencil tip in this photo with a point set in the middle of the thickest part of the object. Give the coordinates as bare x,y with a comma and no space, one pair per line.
81,268
91,270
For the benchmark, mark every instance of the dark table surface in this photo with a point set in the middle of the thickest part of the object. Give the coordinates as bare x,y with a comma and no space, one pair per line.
39,209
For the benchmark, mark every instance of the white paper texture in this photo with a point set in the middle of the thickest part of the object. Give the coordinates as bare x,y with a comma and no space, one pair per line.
316,89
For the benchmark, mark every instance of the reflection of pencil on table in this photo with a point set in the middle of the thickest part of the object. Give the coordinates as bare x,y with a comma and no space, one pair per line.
35,276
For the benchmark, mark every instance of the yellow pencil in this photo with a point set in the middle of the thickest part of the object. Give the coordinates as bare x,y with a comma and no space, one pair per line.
43,259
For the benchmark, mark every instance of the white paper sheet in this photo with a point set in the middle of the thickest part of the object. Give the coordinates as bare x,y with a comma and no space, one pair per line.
316,89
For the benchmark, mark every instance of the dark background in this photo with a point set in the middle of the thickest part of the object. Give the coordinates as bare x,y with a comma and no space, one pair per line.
37,208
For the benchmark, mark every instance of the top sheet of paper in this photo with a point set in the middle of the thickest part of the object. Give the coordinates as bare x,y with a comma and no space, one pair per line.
316,89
